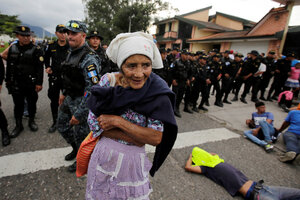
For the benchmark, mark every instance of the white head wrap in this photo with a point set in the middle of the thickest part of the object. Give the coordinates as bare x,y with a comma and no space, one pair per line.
128,44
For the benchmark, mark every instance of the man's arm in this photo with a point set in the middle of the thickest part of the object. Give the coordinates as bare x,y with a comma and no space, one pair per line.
284,125
90,66
188,166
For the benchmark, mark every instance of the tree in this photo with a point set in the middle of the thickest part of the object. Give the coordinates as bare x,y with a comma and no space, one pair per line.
8,24
111,17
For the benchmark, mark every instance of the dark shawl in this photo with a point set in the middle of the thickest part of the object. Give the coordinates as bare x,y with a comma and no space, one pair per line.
154,100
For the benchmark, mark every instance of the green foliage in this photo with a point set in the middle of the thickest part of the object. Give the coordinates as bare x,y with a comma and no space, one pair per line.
8,24
111,17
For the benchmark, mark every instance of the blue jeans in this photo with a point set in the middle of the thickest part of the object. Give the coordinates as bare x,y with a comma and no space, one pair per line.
292,142
267,129
278,193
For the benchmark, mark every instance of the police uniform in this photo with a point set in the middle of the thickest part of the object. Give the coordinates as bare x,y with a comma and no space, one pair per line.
228,69
282,68
236,66
80,71
199,85
214,70
3,120
24,73
250,66
180,75
105,64
268,74
55,54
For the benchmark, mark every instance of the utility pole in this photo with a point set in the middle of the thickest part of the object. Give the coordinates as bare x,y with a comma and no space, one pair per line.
290,5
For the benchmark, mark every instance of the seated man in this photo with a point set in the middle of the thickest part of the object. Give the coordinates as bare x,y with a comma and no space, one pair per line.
233,180
262,124
291,137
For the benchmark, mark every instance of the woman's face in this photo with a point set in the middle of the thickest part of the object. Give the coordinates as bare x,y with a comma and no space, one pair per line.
136,70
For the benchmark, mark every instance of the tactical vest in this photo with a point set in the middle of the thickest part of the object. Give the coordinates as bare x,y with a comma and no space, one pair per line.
72,74
22,65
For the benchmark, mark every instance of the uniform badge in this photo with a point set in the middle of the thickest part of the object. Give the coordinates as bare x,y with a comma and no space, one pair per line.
23,28
41,58
95,79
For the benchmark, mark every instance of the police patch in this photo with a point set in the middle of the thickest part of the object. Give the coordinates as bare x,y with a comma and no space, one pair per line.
95,79
92,74
41,58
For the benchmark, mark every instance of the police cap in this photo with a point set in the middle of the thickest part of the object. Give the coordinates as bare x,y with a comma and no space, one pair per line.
60,28
254,52
227,51
215,50
217,55
199,53
168,50
162,50
76,26
22,30
272,52
290,54
203,57
239,55
184,51
94,34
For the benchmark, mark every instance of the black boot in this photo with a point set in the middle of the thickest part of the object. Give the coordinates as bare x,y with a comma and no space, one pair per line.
52,129
72,168
243,100
5,137
195,109
226,101
18,129
32,125
73,154
177,113
187,109
235,98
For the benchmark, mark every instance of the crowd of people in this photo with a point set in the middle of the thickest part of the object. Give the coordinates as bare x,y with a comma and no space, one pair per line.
113,93
192,74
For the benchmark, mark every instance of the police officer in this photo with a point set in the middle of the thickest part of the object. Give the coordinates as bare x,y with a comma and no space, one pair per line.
215,74
172,56
282,68
80,72
94,39
246,73
3,120
24,77
180,79
55,54
269,61
200,84
236,67
227,75
165,72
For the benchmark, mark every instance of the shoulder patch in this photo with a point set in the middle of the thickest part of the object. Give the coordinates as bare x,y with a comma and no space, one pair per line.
51,42
41,58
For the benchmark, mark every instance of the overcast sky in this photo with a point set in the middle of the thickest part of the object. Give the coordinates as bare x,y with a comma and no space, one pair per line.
49,13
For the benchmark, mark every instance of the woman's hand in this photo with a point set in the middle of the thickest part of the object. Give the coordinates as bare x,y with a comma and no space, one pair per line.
108,122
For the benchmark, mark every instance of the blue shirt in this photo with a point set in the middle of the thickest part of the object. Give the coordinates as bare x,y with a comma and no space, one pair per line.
262,117
294,119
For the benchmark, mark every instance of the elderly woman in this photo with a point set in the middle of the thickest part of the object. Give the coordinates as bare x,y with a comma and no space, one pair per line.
128,110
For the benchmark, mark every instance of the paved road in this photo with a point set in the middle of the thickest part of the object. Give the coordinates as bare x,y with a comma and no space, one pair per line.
26,173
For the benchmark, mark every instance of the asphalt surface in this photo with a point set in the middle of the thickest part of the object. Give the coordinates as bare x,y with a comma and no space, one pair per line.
171,181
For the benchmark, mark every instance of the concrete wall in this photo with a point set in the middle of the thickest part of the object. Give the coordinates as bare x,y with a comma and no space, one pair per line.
224,21
197,33
175,25
201,16
225,46
200,46
274,46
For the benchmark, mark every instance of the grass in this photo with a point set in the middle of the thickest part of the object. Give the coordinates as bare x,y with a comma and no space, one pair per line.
2,49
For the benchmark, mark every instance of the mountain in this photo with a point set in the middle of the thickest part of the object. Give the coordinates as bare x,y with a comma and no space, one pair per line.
38,31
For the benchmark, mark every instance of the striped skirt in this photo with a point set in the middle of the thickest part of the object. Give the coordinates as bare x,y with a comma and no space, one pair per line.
118,171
